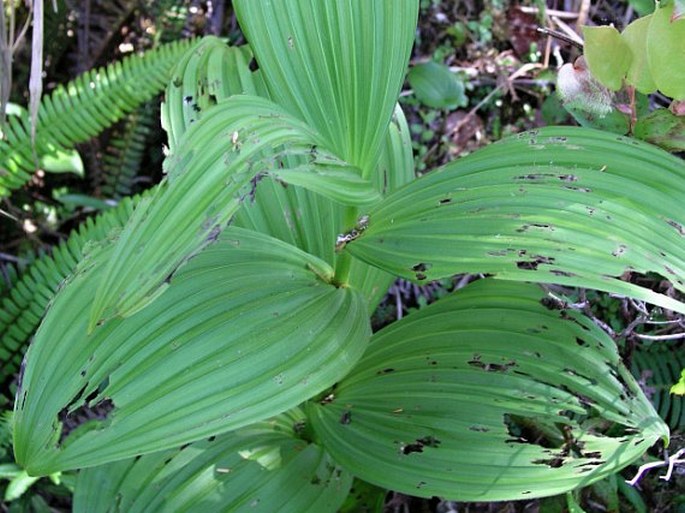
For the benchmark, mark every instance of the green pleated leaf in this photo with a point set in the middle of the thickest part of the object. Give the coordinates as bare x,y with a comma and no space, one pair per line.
488,395
216,169
666,51
208,73
249,328
559,205
264,467
336,181
608,55
337,65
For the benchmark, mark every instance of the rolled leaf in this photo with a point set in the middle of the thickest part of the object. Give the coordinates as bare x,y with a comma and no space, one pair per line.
560,205
209,72
217,351
214,171
339,66
488,395
261,468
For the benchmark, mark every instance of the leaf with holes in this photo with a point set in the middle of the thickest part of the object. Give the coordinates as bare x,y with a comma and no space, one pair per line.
215,170
571,206
264,467
490,394
217,351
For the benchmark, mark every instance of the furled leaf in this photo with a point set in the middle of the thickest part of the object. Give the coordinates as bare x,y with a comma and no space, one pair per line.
209,72
337,65
666,52
261,468
607,54
560,205
635,36
662,128
215,170
217,351
436,86
488,395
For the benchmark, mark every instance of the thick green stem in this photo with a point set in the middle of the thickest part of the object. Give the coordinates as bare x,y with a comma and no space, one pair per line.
344,261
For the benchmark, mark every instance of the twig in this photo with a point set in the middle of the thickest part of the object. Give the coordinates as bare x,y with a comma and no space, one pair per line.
670,461
550,12
561,37
672,336
583,13
566,29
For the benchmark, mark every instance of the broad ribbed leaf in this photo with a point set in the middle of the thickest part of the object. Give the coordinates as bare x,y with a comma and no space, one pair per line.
337,65
560,205
208,73
488,395
249,328
264,467
215,170
312,223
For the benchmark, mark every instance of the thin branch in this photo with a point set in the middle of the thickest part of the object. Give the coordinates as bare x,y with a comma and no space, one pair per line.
561,37
672,336
670,461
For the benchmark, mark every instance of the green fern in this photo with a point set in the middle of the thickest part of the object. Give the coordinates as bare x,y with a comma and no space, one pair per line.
125,151
83,108
658,366
24,304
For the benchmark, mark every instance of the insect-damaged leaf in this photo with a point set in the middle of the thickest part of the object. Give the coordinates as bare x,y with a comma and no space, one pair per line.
264,467
217,351
208,73
488,395
337,65
559,205
216,168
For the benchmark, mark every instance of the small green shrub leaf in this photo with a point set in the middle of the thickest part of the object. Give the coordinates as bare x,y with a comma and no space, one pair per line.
559,205
662,128
436,86
339,66
261,468
666,51
489,394
607,54
217,351
635,36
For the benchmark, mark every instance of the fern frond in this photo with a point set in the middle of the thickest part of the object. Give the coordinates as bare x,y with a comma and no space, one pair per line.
24,304
83,108
125,151
657,367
